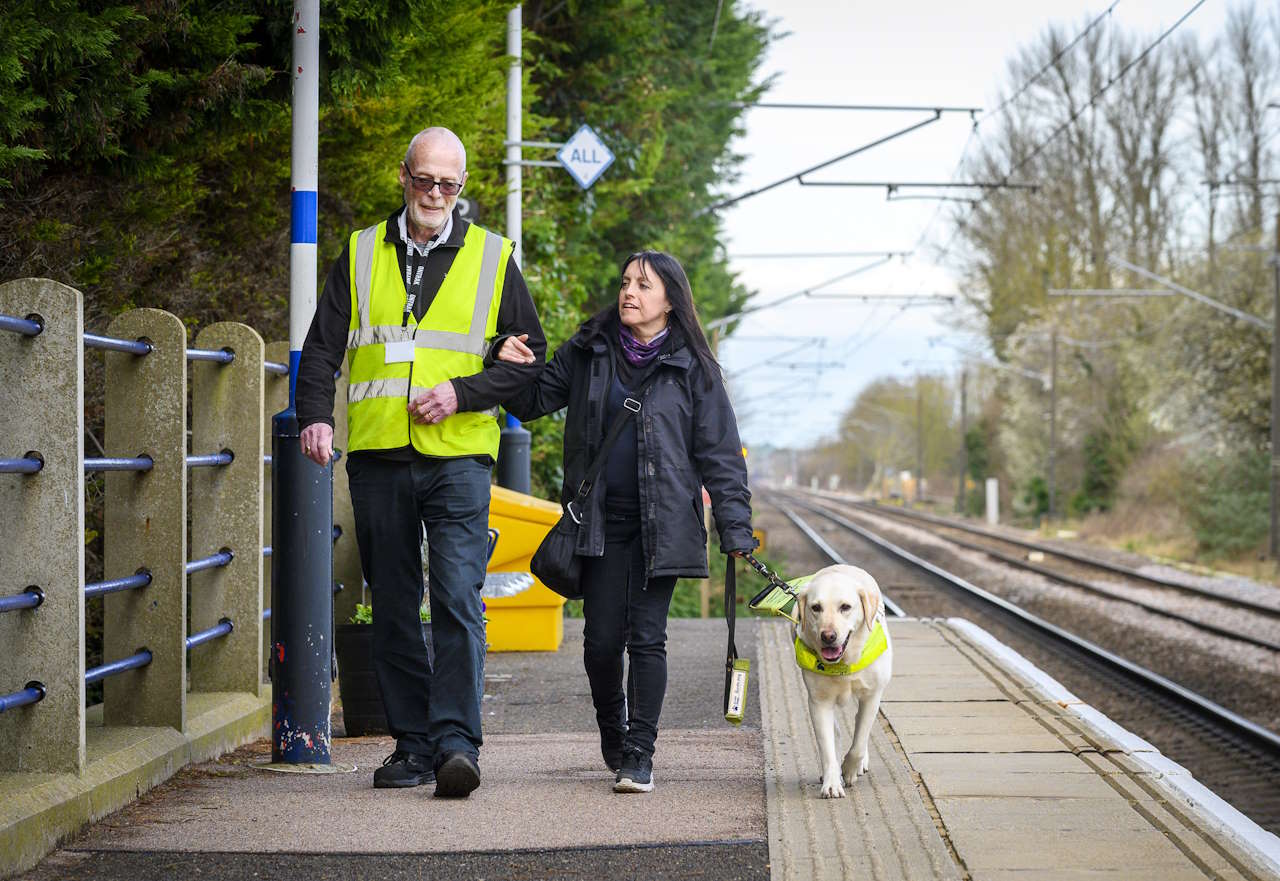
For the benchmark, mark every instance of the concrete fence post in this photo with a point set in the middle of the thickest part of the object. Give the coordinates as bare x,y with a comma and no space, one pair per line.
226,509
993,501
42,527
145,521
274,399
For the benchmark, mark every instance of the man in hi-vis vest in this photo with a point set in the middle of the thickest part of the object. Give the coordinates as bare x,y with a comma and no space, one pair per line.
415,302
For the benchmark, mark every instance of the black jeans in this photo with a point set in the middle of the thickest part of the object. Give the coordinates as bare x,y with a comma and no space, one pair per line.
429,712
624,610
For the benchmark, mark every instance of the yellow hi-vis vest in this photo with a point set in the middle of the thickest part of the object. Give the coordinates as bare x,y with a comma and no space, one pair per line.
449,341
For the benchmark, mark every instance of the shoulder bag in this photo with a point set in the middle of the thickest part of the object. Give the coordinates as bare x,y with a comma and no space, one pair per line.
556,563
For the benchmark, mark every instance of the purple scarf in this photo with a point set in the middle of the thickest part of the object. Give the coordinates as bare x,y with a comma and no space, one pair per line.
639,354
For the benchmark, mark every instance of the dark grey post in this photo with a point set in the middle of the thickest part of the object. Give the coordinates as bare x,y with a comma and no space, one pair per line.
301,599
513,456
42,528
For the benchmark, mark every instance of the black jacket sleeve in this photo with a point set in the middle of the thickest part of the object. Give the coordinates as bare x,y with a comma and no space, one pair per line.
325,346
501,379
717,454
550,391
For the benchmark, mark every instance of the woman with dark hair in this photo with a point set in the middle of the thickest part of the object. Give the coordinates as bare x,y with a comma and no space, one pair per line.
642,525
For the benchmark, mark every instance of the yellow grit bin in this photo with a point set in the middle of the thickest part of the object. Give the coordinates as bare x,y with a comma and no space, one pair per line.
532,620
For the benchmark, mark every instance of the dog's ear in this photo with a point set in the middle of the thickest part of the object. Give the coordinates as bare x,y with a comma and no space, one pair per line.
870,596
802,600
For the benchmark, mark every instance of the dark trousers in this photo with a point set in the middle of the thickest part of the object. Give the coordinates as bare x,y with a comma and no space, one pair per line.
624,611
429,712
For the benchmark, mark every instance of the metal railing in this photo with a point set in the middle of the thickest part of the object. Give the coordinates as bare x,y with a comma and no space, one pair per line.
149,480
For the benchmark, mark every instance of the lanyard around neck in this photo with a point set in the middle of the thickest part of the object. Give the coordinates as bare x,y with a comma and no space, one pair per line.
412,280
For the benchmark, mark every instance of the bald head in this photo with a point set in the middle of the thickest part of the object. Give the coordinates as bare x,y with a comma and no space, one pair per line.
440,143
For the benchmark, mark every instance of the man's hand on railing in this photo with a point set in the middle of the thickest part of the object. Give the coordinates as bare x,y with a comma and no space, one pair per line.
317,442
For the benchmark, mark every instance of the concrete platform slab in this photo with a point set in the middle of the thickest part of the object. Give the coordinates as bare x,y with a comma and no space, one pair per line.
1018,779
538,791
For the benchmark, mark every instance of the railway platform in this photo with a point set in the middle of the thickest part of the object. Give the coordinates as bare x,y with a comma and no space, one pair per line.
982,768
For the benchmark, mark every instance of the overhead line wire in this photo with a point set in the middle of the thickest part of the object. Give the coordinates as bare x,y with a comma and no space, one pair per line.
1098,94
1052,61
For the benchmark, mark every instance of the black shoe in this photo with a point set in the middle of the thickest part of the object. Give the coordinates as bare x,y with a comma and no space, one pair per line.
611,747
636,773
457,775
401,770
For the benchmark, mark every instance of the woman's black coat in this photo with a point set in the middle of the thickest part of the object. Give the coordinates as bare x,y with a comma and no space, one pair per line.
687,438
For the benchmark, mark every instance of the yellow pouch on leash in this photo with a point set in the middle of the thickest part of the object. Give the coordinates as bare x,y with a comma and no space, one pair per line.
735,689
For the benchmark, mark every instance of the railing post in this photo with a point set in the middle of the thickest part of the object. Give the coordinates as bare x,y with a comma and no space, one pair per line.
346,554
226,509
42,528
275,399
145,521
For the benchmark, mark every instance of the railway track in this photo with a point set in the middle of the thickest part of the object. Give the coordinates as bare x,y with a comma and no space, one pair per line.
1232,755
1235,618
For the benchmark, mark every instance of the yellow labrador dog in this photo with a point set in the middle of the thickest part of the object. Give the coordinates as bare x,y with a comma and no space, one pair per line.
843,650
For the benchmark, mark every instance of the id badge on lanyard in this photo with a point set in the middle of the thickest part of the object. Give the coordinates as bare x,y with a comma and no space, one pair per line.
401,351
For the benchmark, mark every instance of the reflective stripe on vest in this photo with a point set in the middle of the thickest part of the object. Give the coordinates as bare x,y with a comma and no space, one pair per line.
450,340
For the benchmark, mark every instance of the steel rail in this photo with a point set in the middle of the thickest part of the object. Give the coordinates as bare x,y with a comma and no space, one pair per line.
141,578
118,463
833,554
1222,715
1198,623
276,367
218,356
217,631
111,344
213,561
209,459
32,693
94,674
21,465
1074,556
29,598
29,326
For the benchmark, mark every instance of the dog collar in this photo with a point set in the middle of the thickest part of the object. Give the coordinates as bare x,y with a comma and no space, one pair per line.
875,645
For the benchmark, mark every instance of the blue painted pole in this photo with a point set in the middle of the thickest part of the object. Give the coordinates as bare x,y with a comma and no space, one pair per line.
302,515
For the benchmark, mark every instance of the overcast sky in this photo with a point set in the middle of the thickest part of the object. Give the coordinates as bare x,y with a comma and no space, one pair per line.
918,53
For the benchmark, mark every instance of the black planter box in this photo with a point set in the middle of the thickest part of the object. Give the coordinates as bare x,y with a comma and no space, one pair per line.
362,711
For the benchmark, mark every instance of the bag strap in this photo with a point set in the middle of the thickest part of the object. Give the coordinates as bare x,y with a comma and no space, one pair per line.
630,406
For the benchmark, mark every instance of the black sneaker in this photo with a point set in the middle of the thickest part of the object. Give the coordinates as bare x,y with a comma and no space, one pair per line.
457,775
611,747
636,773
401,770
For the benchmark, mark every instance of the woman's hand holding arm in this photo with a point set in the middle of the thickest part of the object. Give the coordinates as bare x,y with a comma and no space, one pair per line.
515,351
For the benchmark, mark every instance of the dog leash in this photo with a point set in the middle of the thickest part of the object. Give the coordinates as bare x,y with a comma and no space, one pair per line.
777,597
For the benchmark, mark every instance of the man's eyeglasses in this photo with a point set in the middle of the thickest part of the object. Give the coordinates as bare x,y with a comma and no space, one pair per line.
427,184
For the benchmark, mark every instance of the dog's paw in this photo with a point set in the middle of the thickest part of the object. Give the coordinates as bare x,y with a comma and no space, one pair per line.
854,767
832,788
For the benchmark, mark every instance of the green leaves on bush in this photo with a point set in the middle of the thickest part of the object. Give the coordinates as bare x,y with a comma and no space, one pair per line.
1227,501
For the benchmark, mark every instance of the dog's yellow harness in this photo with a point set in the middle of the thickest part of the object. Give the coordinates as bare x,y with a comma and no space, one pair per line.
808,659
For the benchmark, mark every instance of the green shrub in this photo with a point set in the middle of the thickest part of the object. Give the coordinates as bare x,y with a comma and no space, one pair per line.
364,614
1226,501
